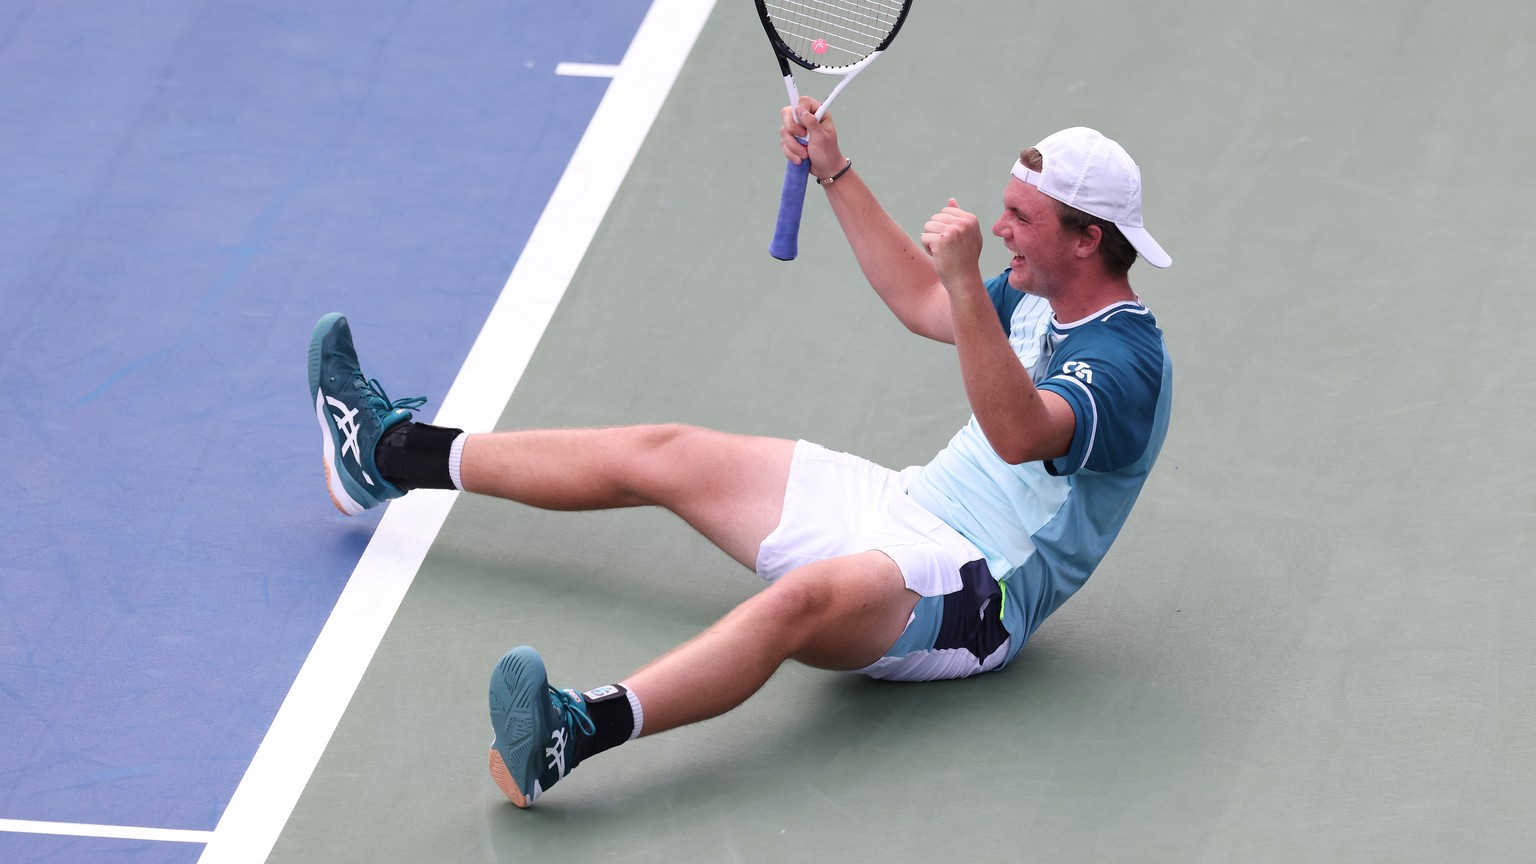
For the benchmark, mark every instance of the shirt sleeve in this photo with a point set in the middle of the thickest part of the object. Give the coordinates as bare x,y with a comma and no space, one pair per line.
1111,377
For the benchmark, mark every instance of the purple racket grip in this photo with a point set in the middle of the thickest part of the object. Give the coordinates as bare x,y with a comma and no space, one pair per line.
786,232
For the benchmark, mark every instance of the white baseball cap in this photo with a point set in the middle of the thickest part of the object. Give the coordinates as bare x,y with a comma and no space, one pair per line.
1083,169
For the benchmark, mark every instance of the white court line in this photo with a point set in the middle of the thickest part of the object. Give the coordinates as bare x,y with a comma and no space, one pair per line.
115,832
587,70
314,706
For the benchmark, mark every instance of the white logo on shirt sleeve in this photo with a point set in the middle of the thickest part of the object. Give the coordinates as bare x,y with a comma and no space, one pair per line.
1079,370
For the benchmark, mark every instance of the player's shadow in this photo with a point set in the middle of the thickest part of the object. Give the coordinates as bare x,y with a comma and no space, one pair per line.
835,733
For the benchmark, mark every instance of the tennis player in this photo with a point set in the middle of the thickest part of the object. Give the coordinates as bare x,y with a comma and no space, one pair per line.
937,571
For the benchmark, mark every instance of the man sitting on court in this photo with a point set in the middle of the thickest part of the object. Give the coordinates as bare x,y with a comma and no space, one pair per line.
938,571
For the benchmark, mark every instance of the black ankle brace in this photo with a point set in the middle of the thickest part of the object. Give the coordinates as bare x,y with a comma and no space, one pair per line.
612,717
415,455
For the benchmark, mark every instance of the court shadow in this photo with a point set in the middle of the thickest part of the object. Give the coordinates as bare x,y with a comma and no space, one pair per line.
811,755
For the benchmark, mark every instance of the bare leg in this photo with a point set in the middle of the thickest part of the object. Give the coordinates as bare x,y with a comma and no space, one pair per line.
728,487
843,613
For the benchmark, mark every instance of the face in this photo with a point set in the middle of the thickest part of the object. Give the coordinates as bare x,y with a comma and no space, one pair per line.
1033,234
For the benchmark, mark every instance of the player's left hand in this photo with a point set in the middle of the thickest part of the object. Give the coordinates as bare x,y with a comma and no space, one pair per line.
952,237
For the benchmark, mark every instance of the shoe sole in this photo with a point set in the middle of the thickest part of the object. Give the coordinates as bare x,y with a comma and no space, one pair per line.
513,720
333,481
504,781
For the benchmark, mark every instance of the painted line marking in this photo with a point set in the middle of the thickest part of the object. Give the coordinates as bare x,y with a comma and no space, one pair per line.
325,684
115,832
587,70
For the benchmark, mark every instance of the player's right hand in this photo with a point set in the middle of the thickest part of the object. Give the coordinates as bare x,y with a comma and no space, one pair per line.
799,123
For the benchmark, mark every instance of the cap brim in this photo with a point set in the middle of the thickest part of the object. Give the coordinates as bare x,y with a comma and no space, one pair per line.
1145,245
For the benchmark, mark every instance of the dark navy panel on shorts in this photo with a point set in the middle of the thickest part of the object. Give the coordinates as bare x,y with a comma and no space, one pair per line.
973,616
969,619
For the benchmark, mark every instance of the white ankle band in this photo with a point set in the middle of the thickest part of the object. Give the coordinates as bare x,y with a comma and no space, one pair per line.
634,706
455,458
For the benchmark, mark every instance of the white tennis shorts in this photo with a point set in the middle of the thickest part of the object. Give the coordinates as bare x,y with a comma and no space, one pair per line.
839,504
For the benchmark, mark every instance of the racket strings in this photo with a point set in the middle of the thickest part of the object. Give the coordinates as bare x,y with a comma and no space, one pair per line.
829,34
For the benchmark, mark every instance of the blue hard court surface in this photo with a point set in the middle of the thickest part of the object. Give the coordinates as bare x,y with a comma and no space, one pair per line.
188,187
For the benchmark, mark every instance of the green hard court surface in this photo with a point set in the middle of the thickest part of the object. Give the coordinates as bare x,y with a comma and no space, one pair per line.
1316,637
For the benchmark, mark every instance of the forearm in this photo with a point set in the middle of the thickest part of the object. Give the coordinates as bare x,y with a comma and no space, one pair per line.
893,263
1021,422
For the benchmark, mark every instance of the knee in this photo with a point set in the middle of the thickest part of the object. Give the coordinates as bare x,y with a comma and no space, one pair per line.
652,461
661,437
796,604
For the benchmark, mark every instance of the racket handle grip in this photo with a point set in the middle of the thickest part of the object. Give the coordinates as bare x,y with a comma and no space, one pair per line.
786,233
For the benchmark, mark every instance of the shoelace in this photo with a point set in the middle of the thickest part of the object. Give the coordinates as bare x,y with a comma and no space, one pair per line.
573,711
375,393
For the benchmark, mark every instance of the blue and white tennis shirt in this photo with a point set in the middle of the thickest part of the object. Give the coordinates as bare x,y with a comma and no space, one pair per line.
1044,526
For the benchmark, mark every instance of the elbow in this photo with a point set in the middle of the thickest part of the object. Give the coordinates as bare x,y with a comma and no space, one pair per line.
1015,450
926,326
1018,449
914,325
1032,437
1016,455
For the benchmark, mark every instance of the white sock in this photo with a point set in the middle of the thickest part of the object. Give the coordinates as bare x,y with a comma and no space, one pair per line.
455,458
634,706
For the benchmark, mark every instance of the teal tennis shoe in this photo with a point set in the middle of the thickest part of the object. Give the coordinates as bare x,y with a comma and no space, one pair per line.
536,727
353,412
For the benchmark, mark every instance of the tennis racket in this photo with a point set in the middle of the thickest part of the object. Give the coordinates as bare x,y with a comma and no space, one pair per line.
834,37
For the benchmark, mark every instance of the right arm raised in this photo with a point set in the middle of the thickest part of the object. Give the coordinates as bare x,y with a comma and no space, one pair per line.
898,269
